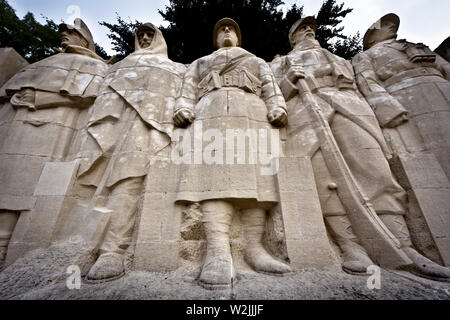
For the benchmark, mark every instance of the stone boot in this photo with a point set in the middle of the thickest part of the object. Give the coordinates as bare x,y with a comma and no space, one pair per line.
254,222
108,267
355,258
426,268
422,266
218,271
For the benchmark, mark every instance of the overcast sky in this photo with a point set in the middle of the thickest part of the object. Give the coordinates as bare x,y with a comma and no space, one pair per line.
426,21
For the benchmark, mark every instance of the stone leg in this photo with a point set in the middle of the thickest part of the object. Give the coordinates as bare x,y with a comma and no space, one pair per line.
218,271
355,257
369,166
356,260
254,222
123,201
423,266
8,221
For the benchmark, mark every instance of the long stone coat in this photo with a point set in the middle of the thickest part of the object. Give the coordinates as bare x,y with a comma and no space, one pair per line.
397,76
230,91
352,122
131,120
65,84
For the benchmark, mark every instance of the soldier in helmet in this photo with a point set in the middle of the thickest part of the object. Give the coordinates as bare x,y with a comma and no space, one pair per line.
45,101
408,87
359,138
230,89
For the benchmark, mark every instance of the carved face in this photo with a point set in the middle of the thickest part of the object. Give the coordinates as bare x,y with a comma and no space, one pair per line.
145,37
72,38
304,32
386,31
227,36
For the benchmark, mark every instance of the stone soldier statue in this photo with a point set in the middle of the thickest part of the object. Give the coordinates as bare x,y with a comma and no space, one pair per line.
46,102
130,125
230,89
401,81
359,140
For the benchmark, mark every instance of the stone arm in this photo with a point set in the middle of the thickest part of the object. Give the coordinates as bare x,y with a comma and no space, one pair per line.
280,70
36,100
388,110
184,113
272,96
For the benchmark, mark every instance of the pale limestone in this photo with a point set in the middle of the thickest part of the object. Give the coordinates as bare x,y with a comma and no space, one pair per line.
354,180
408,87
106,180
47,96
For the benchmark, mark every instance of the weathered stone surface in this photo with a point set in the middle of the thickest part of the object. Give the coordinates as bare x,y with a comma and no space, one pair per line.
398,77
56,179
214,172
407,86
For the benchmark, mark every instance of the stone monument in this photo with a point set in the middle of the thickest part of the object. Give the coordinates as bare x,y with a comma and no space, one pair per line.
229,165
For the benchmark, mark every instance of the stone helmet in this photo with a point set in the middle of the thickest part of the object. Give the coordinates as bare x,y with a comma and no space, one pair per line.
392,17
228,21
82,29
306,20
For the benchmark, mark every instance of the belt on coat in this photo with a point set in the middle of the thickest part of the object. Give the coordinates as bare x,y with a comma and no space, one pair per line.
412,73
241,79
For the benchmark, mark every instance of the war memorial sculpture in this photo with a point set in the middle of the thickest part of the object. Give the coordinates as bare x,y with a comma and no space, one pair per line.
229,163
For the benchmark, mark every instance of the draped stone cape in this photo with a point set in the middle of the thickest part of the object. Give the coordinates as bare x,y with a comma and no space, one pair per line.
132,116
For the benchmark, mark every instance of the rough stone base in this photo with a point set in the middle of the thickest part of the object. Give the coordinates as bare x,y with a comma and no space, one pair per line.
42,274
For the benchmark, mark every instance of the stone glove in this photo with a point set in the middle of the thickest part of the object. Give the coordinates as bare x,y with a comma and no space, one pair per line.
295,72
183,118
278,117
25,98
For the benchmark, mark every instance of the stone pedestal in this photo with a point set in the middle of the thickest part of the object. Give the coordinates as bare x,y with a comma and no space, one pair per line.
306,236
158,232
429,203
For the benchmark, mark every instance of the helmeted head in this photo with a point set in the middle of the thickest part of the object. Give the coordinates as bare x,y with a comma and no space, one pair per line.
227,34
149,38
384,29
145,35
303,29
76,35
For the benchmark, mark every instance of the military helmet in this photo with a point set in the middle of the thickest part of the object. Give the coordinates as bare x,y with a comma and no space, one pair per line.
82,29
226,21
377,25
306,20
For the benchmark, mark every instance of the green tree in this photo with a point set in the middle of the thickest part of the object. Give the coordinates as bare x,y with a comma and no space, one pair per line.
330,35
263,23
31,39
122,35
